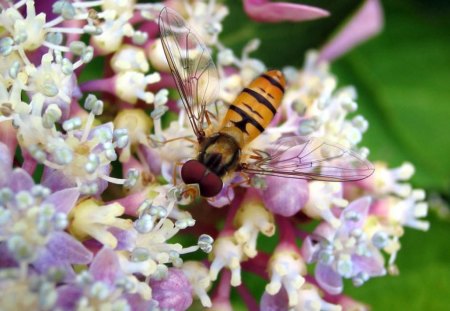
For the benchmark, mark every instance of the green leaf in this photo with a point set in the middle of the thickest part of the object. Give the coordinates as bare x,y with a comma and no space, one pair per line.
403,80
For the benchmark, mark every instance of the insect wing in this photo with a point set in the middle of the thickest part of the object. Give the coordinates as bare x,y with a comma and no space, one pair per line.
312,159
192,67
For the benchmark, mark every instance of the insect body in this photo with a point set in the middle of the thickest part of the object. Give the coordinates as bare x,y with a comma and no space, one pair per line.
246,118
256,106
221,150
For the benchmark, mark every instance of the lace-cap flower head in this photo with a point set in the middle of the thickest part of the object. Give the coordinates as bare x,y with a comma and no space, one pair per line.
133,141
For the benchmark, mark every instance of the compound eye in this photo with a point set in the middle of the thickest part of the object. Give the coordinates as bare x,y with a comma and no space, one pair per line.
210,185
192,172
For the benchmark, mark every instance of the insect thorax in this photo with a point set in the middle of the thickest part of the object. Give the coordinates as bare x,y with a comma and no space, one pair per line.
220,153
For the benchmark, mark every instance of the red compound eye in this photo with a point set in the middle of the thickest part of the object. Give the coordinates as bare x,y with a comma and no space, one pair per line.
210,185
192,172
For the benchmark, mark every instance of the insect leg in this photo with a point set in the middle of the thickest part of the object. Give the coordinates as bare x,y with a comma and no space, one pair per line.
188,138
247,180
174,172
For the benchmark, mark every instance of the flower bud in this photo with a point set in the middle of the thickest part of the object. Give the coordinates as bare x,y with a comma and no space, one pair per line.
174,292
285,196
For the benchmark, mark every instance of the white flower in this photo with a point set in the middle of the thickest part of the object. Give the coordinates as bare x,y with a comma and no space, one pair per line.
226,253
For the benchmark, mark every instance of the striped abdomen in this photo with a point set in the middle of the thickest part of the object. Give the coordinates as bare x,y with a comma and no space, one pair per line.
254,108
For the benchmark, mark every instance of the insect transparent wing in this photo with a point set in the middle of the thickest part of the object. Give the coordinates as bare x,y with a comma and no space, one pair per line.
192,67
312,159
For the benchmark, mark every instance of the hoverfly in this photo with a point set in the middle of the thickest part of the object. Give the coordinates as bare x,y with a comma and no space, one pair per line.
220,148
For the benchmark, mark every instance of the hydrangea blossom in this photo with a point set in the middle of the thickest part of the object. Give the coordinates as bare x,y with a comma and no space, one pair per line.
93,212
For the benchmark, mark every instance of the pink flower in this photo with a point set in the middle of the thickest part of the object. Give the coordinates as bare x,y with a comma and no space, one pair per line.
365,23
345,251
290,200
265,11
174,292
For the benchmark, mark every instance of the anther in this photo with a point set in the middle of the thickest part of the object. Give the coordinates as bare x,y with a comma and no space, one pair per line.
131,178
144,224
71,124
140,254
205,242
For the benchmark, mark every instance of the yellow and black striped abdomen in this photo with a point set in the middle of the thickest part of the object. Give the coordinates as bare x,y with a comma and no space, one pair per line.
254,108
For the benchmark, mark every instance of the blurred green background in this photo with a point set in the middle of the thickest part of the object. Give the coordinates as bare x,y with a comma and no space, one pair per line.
403,81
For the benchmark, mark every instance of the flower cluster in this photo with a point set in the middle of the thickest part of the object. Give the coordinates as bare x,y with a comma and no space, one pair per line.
93,212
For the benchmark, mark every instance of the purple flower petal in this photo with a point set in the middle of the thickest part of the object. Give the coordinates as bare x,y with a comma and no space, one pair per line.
5,164
328,280
68,296
367,22
265,11
326,231
277,302
63,200
46,260
138,304
126,239
174,292
65,247
55,180
132,202
354,215
6,260
308,249
285,196
20,180
152,159
225,196
105,266
373,265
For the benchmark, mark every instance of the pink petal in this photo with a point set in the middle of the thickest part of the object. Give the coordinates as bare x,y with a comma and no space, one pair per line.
20,180
55,180
373,265
68,296
174,292
137,303
265,11
105,266
65,247
225,197
285,196
63,200
358,209
366,22
325,230
277,302
46,260
328,279
132,202
126,238
308,249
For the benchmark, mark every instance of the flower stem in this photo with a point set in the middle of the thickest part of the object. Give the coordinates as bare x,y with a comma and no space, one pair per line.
233,208
287,233
251,303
